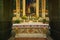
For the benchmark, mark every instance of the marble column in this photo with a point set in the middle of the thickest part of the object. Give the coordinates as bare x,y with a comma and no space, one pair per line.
24,5
37,8
43,8
18,8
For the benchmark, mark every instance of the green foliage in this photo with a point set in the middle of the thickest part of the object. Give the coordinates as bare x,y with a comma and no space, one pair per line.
24,17
44,20
17,21
36,18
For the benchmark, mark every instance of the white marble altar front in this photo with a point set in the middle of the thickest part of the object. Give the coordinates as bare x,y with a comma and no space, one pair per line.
31,29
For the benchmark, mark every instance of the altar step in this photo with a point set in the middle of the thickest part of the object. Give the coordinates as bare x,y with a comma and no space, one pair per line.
34,35
30,39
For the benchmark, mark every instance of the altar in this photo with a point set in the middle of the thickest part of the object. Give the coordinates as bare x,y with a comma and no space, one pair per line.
33,29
